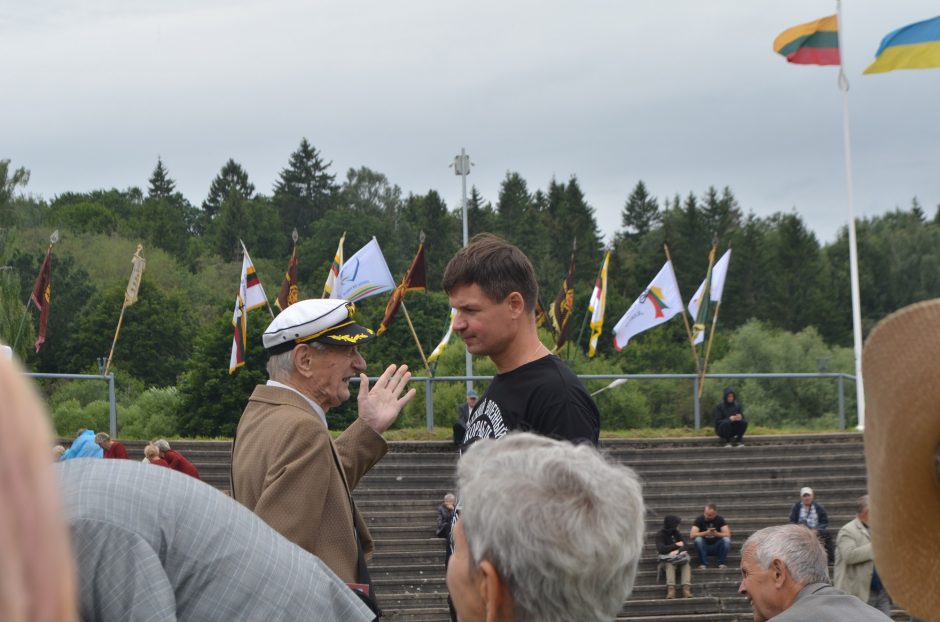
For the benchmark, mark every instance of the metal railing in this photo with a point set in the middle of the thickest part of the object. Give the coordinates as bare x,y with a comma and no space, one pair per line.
839,378
112,402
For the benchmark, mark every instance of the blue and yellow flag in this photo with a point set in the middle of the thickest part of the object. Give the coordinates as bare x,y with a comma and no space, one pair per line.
915,46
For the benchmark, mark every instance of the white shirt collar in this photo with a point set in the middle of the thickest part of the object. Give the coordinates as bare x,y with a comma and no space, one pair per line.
316,407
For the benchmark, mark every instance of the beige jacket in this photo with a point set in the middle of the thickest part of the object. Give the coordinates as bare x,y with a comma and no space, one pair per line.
854,560
287,469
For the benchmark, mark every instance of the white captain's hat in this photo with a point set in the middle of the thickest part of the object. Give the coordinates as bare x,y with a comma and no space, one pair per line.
324,320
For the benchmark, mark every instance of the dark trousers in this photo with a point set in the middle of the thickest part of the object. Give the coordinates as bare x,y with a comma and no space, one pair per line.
728,430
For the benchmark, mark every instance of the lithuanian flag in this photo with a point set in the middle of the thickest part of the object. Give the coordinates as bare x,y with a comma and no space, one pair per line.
814,43
916,46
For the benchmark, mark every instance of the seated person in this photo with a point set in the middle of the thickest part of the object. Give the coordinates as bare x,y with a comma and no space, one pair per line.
811,514
197,555
712,536
671,550
730,423
547,531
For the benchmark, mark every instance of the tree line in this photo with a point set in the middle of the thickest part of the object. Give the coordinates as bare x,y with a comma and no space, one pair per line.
178,335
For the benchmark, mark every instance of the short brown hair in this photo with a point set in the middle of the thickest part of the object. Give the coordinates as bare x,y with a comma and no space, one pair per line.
496,266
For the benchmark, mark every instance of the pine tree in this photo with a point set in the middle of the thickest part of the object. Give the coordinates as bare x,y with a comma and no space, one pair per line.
161,186
640,213
512,205
305,190
231,179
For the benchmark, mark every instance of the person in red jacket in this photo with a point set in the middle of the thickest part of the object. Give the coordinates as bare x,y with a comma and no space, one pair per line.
111,447
176,460
152,455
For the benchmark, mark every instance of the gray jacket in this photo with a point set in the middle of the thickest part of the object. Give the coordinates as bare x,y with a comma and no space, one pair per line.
153,544
819,602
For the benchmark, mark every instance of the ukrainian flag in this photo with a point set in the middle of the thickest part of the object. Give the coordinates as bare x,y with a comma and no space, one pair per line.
916,46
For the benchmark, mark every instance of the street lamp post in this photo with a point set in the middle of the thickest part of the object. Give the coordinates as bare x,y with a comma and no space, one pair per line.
462,168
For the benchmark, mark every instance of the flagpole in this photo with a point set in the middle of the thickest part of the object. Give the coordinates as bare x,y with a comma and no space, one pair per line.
588,312
19,331
853,245
708,349
685,316
424,359
703,303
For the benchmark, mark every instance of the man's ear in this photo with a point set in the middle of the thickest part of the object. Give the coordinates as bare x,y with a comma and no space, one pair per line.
494,592
781,574
303,359
516,304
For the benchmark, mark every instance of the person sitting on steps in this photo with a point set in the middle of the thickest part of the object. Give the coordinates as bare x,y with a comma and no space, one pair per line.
672,551
730,424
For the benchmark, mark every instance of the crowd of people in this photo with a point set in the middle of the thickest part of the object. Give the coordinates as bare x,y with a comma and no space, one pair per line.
542,526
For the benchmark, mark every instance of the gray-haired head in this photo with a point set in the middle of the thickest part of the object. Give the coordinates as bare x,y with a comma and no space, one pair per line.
563,526
162,445
861,505
281,364
449,498
796,546
101,437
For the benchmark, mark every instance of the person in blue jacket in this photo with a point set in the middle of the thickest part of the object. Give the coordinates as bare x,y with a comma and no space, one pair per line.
84,446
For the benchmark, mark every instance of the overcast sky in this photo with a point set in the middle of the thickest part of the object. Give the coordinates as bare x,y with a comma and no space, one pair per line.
682,94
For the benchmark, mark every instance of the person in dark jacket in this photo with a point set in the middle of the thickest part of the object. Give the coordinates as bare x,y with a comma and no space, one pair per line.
730,423
670,546
808,512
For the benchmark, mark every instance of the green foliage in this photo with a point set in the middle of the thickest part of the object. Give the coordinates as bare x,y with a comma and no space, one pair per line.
758,348
210,399
152,415
231,180
155,338
70,415
304,191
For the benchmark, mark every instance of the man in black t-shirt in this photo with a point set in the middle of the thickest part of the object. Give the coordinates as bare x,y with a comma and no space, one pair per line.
711,536
491,284
492,287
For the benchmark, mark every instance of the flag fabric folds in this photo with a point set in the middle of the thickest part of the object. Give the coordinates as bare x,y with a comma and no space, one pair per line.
415,279
659,303
365,274
330,288
715,289
813,43
445,339
137,272
250,296
915,46
559,313
596,306
41,296
288,294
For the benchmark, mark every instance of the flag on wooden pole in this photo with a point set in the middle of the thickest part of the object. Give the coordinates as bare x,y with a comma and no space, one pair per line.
439,349
596,306
560,310
137,272
250,295
41,296
415,279
365,274
288,294
658,303
331,287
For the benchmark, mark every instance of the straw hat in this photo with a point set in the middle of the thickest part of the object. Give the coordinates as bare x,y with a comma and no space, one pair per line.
901,366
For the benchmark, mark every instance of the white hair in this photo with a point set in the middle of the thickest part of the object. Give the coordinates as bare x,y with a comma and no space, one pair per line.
797,546
563,526
450,497
162,445
281,366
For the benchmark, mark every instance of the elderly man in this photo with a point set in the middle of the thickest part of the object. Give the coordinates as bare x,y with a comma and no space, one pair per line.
175,460
151,544
784,576
111,447
560,540
285,466
855,572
